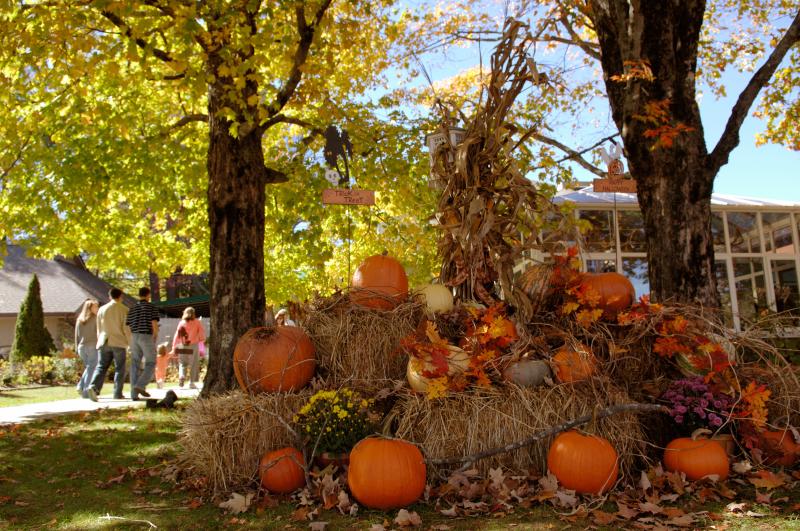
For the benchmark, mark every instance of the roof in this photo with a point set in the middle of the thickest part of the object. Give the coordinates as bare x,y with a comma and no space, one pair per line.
586,195
65,284
175,307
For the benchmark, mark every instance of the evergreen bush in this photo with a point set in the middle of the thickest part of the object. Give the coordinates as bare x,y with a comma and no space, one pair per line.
31,338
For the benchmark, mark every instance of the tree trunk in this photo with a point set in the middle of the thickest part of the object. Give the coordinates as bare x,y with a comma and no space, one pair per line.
236,181
673,183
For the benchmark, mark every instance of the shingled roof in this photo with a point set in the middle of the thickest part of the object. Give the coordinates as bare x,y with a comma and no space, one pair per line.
65,284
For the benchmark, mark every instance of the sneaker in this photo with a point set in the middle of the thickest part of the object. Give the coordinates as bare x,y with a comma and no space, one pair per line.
180,382
192,386
142,392
92,394
119,397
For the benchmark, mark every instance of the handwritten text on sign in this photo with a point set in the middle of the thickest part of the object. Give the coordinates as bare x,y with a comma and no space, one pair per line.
615,185
337,196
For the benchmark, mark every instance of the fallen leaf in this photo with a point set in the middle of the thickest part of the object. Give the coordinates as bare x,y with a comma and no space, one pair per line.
644,482
626,512
734,507
549,483
407,519
377,527
763,497
318,526
20,503
449,512
648,507
673,512
566,499
742,467
237,503
682,521
767,480
602,518
754,514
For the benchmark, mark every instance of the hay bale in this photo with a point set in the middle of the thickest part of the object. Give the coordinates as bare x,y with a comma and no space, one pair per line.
470,422
224,437
359,347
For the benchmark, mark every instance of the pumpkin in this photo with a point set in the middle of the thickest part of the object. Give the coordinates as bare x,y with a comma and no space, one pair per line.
697,458
584,463
574,364
537,283
438,297
457,361
527,372
281,471
779,448
379,282
270,359
386,473
615,291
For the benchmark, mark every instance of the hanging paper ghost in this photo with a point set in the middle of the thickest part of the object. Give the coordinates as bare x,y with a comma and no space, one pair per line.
615,167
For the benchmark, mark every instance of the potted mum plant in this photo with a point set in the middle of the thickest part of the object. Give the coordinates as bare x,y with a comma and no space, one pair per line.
332,422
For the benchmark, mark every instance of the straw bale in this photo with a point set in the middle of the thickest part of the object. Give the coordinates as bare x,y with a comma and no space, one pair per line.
467,423
224,437
359,347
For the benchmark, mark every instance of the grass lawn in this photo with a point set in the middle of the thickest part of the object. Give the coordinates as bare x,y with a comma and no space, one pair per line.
75,472
32,395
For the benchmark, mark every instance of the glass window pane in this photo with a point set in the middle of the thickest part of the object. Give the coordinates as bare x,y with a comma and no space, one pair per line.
631,231
743,232
784,280
724,289
600,266
599,225
636,271
751,292
777,232
718,232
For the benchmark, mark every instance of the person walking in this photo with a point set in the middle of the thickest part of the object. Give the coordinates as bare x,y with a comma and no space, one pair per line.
189,333
143,322
113,337
86,343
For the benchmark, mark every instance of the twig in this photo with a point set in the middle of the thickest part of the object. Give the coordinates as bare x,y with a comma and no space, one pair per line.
609,411
109,517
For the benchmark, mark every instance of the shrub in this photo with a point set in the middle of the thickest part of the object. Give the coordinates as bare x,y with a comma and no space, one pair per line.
693,404
31,338
40,369
6,373
67,370
334,421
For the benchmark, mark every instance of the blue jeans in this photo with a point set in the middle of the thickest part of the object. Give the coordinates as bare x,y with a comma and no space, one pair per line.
107,355
89,355
142,346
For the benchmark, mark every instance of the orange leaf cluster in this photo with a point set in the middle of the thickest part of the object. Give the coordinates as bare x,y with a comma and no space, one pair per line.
664,130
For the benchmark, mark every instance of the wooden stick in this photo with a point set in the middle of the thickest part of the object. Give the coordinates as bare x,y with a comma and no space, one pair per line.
609,411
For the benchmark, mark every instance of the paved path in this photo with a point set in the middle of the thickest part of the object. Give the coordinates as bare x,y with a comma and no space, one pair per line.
31,412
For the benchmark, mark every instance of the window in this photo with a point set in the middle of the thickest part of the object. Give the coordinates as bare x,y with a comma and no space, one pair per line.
751,291
600,266
718,232
631,231
777,233
636,271
743,232
784,283
724,290
600,234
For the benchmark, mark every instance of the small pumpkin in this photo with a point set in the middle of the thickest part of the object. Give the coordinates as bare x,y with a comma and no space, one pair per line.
438,297
574,364
697,458
457,361
779,447
379,282
271,359
615,291
584,463
386,473
281,471
527,372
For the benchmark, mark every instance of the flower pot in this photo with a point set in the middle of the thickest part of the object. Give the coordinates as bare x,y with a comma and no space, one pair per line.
329,458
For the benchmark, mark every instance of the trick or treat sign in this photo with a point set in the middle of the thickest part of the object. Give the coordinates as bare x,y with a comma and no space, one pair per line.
616,181
338,148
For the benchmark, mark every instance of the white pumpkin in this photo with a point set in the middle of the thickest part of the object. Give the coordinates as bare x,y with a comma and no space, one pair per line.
528,372
438,297
457,361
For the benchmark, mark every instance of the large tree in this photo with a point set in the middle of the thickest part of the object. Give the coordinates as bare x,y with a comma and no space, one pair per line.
145,133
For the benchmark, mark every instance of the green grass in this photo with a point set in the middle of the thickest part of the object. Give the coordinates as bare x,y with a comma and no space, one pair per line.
33,395
72,472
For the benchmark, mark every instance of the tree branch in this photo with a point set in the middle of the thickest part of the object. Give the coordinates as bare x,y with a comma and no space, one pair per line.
140,42
589,48
306,32
730,136
572,154
609,411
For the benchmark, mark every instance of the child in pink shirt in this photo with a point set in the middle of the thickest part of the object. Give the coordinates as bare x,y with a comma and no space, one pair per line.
189,334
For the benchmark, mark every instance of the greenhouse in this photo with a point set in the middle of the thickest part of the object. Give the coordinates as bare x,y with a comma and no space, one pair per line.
756,248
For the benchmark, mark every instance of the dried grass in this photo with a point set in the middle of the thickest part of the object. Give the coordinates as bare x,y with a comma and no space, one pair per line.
224,437
466,423
358,347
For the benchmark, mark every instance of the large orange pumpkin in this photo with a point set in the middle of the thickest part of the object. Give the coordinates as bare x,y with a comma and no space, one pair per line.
584,463
779,448
697,458
379,282
386,473
574,364
615,291
270,359
281,471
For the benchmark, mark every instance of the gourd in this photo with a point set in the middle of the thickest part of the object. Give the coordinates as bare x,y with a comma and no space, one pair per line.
386,473
281,471
457,361
438,297
271,359
574,364
584,463
379,282
527,372
615,291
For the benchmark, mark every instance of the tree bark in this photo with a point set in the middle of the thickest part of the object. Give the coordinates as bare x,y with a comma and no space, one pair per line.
673,184
236,200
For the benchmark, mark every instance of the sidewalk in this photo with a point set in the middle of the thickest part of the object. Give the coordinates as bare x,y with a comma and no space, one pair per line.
41,410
